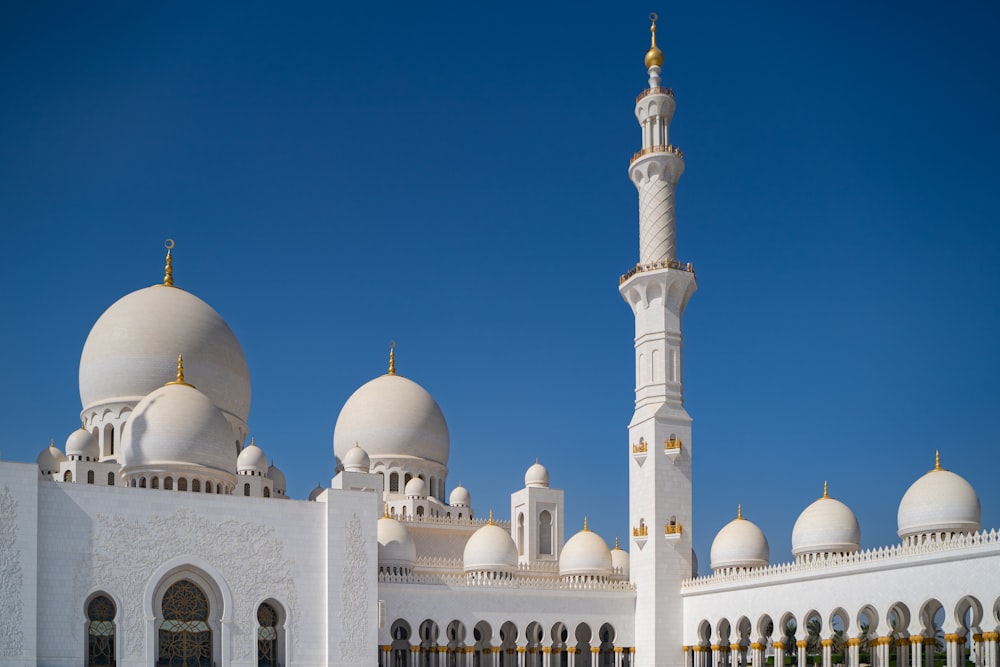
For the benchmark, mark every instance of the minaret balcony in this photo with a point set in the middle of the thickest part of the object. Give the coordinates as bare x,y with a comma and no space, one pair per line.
656,266
673,150
655,90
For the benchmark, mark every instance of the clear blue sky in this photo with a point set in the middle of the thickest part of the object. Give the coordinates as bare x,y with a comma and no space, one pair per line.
453,176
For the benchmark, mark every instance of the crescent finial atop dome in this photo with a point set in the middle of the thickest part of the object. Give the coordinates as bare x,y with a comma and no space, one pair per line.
168,270
654,57
392,357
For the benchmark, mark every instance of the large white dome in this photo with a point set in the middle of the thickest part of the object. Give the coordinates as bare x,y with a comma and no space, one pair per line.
827,526
392,416
177,428
939,502
132,350
82,444
490,549
740,543
395,546
585,554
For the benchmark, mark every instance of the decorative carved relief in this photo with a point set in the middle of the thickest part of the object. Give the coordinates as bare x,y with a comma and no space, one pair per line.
125,551
354,594
11,578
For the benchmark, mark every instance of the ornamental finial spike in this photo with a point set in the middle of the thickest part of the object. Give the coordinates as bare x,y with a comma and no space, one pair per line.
937,459
585,529
180,372
826,490
491,517
168,270
386,511
392,357
616,543
739,511
654,57
252,443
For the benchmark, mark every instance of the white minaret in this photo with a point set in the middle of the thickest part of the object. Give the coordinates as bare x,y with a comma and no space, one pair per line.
658,289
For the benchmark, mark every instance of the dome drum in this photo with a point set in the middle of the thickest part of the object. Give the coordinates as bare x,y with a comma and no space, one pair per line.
827,527
740,544
586,555
940,502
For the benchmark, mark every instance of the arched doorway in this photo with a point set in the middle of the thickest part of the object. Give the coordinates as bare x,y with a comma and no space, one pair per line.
270,634
100,632
185,637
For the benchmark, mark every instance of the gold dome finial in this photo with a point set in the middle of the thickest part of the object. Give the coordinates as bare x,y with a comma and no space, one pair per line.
826,490
739,511
168,270
386,511
392,357
585,529
180,373
654,57
937,460
252,443
616,543
490,522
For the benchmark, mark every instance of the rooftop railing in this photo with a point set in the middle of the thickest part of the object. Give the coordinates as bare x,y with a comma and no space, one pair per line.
656,266
656,90
657,149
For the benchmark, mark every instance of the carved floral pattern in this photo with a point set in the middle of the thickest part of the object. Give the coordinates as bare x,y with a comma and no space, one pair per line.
354,594
11,578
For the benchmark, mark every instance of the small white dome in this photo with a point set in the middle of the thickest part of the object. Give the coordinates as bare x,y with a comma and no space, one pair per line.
356,460
83,444
132,350
275,475
49,459
827,526
415,488
317,492
490,549
620,560
252,459
177,426
395,546
394,417
536,475
585,554
740,543
460,497
939,502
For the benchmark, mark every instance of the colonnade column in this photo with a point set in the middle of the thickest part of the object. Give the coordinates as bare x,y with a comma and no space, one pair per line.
757,655
989,656
383,655
779,654
902,652
546,656
882,645
800,646
916,644
853,652
734,655
827,646
929,645
618,656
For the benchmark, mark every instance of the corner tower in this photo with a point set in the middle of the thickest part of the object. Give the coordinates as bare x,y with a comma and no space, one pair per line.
657,289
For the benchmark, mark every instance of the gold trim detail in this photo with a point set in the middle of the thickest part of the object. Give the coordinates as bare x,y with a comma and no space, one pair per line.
672,529
671,444
180,373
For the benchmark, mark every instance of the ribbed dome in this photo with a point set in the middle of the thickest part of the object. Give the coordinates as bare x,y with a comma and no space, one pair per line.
83,444
395,546
460,497
740,543
620,560
132,350
252,459
415,488
827,526
585,554
393,417
356,460
178,427
278,478
49,459
940,501
490,549
536,475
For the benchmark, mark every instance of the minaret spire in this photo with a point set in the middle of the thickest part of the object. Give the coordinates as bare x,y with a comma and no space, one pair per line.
168,270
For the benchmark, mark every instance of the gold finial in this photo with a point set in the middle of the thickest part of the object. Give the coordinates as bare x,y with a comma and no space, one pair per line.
392,357
252,443
386,511
826,490
654,57
937,460
180,373
52,442
491,518
585,529
356,444
616,543
168,270
739,511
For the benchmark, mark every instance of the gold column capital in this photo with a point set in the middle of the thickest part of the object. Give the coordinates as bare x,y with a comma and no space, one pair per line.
802,643
779,645
826,643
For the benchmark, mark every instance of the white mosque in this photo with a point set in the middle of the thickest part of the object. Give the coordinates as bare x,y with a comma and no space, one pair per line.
159,536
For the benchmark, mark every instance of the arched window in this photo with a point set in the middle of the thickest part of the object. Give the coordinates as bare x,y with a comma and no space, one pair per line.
267,492
185,636
545,533
246,489
394,482
142,483
111,479
90,477
168,484
269,636
109,439
208,487
406,480
100,631
420,510
155,484
68,476
182,484
196,486
520,533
